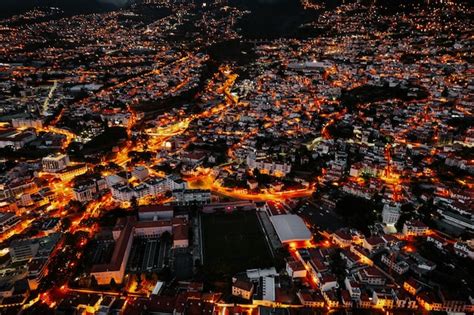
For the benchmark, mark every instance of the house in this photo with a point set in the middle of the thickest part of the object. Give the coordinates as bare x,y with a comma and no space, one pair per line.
327,282
351,259
185,197
371,276
404,301
373,243
463,249
362,253
295,269
331,299
412,286
429,301
346,299
383,299
438,241
353,287
180,236
396,264
242,288
342,238
311,299
414,228
365,301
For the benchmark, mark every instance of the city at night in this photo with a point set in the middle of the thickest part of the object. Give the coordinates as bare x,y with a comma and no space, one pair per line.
236,157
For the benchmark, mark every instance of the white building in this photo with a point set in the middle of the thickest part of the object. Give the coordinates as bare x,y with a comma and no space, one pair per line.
175,182
295,269
414,228
122,192
290,228
463,249
268,167
191,196
55,163
390,214
395,264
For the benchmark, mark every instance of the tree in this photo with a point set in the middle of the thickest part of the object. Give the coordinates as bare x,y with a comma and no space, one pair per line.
75,206
94,284
113,284
66,223
165,237
134,203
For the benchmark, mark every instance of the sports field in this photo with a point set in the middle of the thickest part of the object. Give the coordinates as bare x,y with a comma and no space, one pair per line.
233,242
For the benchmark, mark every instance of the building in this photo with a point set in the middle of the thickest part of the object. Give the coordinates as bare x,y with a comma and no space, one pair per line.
458,219
124,232
155,212
89,190
331,298
438,241
311,299
290,228
371,276
412,286
341,238
37,269
373,243
390,214
12,189
242,288
27,123
140,172
185,197
122,192
175,182
230,206
414,228
16,139
353,287
7,221
404,301
71,171
328,282
115,269
26,249
265,291
464,249
295,269
394,263
267,166
383,299
55,163
180,235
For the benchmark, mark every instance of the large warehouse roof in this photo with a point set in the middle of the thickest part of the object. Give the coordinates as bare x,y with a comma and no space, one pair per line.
290,228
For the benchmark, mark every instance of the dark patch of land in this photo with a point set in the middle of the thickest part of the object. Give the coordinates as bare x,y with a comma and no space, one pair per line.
370,93
357,212
233,242
12,7
273,19
105,141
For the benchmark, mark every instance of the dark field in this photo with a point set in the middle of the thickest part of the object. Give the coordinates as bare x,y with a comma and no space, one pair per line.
233,243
